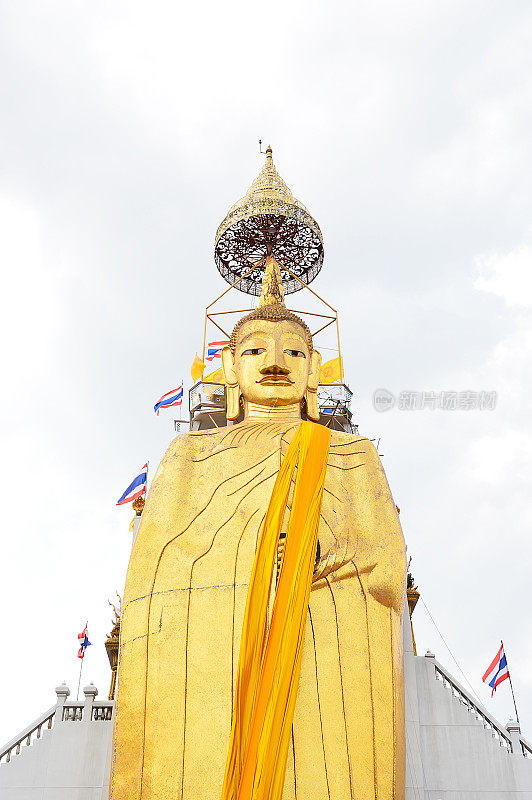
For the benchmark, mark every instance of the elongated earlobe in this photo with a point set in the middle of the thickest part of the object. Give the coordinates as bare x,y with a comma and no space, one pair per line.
311,394
233,401
232,387
311,398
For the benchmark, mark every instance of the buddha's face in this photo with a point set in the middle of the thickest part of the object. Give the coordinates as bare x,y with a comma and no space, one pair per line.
272,363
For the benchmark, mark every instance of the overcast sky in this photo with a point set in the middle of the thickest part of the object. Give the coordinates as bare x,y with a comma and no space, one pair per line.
127,130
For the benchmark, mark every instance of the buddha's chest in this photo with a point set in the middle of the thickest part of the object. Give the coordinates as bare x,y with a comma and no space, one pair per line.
234,486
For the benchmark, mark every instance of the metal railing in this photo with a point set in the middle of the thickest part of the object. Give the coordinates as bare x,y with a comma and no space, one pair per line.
70,711
526,747
499,733
33,731
75,711
102,711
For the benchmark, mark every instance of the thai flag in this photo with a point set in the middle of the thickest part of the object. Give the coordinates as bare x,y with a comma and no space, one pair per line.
497,672
136,487
214,349
83,639
172,398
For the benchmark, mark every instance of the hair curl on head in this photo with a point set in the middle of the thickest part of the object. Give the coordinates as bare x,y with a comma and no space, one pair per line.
273,312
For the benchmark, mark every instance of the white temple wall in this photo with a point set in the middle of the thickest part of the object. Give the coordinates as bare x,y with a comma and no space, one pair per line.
70,760
455,749
414,778
465,757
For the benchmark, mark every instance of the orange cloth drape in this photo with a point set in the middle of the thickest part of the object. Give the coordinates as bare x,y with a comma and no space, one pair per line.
269,662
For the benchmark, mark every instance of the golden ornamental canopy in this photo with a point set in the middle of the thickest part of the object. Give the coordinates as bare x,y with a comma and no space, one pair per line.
268,221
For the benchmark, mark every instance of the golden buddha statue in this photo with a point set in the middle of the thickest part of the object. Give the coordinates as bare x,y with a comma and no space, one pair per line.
188,580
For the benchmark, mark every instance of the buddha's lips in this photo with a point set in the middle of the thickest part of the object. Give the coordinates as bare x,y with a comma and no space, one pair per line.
279,380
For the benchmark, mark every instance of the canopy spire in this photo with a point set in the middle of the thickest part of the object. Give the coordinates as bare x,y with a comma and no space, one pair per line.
268,221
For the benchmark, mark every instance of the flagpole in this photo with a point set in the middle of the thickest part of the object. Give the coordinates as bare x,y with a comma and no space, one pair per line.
80,668
79,681
511,686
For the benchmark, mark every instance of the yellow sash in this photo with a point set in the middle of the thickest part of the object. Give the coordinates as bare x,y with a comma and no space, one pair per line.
269,662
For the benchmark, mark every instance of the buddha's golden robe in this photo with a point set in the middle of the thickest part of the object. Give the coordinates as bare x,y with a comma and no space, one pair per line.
182,617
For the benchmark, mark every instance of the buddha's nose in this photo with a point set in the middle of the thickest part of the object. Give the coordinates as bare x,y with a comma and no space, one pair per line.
274,369
275,365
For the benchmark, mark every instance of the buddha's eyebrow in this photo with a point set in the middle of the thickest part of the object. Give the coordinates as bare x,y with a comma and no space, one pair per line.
264,333
250,335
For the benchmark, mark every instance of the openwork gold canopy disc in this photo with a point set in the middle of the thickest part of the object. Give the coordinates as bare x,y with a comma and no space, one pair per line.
268,221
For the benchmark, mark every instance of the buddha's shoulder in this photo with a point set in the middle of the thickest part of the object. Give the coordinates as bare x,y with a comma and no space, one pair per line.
340,439
191,445
347,445
194,443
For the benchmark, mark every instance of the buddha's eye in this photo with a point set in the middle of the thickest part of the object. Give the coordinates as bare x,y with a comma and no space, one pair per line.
295,353
254,351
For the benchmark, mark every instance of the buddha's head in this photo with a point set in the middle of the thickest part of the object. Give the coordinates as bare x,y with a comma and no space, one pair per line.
271,361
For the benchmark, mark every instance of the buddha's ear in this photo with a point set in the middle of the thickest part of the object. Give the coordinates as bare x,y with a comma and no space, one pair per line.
228,366
311,395
314,371
232,387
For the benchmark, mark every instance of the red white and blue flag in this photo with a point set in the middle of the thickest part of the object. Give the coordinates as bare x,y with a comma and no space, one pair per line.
83,640
497,672
172,398
214,349
136,487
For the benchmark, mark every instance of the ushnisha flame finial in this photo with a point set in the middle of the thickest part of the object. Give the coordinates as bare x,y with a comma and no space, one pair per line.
268,221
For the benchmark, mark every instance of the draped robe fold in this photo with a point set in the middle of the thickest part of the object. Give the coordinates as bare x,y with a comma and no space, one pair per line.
183,607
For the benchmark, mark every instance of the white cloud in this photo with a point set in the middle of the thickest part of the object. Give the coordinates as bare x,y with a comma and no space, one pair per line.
29,320
498,460
127,133
508,276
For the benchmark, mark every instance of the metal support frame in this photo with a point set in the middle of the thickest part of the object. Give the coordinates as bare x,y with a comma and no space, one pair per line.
331,319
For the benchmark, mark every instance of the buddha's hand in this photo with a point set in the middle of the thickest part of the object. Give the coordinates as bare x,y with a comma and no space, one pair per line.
376,535
386,583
